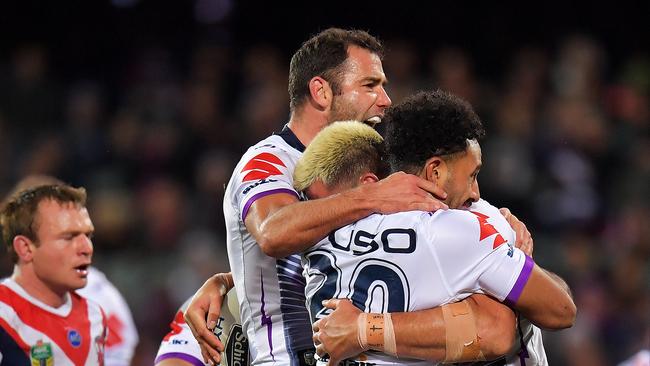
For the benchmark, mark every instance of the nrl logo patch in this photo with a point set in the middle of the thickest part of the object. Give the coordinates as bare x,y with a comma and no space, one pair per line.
41,354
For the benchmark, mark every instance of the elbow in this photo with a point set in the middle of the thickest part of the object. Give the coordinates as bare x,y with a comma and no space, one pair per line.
568,316
564,318
499,333
501,342
271,246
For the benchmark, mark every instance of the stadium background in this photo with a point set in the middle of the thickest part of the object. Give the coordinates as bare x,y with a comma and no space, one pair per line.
149,104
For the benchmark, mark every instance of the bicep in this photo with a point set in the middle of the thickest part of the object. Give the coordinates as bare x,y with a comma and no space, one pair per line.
263,208
544,302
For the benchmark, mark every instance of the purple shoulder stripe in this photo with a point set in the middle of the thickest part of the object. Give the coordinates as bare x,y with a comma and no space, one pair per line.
514,294
181,356
250,202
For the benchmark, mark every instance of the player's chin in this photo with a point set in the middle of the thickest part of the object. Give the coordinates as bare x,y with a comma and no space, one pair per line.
77,283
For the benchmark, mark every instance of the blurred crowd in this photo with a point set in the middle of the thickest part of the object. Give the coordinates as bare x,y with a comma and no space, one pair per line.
568,151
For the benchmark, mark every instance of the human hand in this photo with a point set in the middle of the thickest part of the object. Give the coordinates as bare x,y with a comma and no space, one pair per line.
524,240
404,192
337,334
202,315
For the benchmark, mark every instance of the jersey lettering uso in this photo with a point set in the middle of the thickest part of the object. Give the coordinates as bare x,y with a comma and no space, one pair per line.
415,260
271,292
34,334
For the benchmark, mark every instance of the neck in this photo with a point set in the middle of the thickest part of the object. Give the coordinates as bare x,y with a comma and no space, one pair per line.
30,282
306,125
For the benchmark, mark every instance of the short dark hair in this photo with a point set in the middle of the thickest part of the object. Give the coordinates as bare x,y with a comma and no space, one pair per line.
323,55
19,212
427,124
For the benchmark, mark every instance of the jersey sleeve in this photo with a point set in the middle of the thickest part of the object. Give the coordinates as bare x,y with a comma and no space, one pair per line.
180,343
476,254
263,171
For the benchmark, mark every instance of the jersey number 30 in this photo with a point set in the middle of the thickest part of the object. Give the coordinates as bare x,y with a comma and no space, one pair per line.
375,285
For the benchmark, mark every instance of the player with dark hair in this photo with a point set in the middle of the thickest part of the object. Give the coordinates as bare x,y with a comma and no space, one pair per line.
326,55
264,217
416,260
337,74
43,321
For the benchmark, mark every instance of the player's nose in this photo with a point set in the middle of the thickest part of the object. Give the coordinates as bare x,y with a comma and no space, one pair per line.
383,100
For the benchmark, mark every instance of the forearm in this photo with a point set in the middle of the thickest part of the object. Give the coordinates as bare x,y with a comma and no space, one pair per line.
423,334
420,334
296,227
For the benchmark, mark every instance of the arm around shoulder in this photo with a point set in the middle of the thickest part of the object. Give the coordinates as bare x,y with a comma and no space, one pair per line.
282,225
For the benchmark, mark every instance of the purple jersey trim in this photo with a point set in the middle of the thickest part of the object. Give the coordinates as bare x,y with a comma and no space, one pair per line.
266,320
183,356
248,204
514,294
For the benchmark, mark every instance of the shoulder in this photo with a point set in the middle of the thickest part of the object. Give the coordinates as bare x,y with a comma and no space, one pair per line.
12,295
272,149
484,207
269,157
451,222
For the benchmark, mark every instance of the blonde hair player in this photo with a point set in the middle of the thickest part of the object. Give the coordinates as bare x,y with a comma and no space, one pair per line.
388,264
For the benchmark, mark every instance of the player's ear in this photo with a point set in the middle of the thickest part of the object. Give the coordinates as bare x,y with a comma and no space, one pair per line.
321,92
435,170
368,178
24,248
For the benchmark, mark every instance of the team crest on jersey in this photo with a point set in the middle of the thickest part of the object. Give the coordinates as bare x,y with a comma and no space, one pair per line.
74,338
262,166
41,354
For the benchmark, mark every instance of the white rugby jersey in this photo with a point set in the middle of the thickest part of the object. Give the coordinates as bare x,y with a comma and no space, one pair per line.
416,260
34,333
271,292
179,342
122,334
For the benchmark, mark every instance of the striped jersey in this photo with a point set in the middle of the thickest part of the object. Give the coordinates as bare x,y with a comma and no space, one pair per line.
33,333
122,334
270,291
415,260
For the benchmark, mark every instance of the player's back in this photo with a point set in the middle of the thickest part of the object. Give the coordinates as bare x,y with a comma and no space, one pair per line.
412,261
271,291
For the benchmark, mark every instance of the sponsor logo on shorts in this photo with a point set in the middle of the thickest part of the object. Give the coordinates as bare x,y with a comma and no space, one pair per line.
237,353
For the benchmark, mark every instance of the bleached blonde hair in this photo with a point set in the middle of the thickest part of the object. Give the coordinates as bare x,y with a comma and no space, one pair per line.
339,155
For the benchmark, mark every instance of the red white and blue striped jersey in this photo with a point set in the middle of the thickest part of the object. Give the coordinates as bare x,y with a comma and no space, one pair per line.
122,334
33,333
